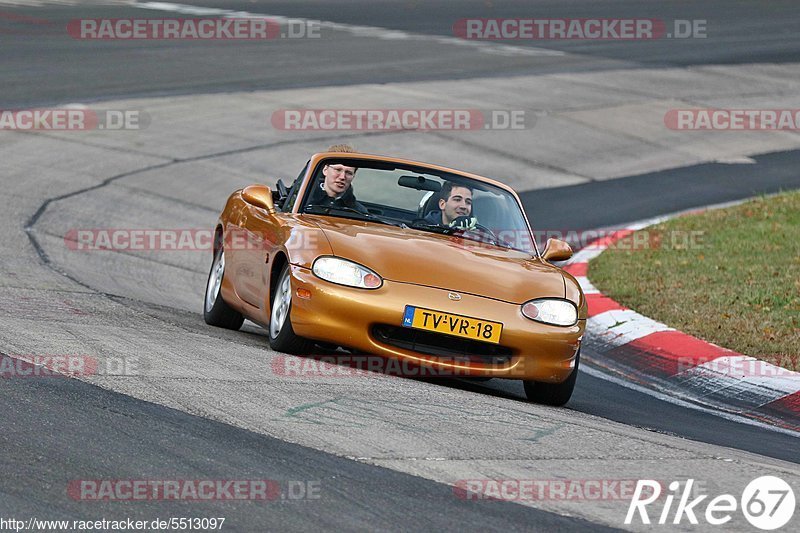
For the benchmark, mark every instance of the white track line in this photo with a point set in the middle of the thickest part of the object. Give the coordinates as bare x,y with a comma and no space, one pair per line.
42,3
358,31
586,285
681,403
618,326
757,380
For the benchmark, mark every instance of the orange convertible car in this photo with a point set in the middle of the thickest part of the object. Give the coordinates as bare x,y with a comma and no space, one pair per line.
432,266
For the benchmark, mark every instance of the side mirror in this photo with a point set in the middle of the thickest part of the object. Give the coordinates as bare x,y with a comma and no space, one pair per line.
556,250
259,196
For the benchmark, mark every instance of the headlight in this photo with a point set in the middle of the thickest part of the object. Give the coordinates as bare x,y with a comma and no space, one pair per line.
346,272
551,311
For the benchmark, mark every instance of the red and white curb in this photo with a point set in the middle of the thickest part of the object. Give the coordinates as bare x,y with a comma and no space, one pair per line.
660,357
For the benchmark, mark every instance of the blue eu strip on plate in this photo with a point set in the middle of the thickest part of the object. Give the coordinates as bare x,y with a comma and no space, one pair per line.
408,317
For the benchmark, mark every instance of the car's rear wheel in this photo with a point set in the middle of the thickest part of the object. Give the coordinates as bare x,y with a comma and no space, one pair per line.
281,335
553,393
215,311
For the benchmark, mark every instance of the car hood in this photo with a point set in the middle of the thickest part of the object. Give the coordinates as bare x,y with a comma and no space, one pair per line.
442,261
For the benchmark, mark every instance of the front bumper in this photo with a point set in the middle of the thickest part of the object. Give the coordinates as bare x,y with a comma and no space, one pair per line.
359,319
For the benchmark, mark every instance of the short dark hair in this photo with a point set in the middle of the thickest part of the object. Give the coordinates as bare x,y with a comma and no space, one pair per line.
447,189
344,148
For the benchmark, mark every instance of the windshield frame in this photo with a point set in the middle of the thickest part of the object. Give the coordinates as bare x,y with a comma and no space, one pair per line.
361,160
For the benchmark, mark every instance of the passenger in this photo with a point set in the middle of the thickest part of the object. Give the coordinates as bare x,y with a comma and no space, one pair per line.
336,189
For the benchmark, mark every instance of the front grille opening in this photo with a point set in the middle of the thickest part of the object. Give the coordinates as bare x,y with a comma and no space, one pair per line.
436,344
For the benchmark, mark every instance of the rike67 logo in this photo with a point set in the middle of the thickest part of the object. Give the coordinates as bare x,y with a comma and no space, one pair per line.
767,502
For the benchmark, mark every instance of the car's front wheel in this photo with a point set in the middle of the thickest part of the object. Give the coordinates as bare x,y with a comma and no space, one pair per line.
553,393
215,311
282,337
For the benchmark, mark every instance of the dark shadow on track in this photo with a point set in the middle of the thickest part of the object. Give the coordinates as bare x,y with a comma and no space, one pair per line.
607,203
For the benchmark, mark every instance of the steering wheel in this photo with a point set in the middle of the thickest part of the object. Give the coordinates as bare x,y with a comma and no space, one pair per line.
479,228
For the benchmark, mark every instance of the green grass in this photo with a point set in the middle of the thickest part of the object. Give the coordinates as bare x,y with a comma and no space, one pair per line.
737,285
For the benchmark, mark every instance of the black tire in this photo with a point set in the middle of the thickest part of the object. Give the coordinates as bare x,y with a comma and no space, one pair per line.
282,337
215,311
555,394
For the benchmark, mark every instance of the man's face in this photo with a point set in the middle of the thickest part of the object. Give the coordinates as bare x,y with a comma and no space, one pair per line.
337,178
459,204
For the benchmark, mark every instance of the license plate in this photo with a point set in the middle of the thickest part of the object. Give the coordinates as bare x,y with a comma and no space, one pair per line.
450,324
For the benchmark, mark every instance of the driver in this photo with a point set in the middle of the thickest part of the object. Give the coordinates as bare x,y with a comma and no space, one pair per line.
455,207
336,187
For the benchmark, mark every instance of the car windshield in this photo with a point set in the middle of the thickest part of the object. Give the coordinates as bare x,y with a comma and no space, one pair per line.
411,197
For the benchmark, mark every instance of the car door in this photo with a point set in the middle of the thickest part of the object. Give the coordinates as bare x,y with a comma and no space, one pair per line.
265,233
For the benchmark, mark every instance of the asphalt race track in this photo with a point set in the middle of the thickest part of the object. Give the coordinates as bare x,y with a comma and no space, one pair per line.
385,453
745,32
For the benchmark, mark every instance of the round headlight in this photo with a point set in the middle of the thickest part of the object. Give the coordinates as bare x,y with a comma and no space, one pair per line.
346,272
551,311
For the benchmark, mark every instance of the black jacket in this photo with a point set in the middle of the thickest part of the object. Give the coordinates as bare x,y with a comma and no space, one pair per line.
347,199
434,217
